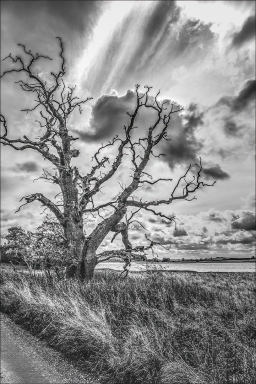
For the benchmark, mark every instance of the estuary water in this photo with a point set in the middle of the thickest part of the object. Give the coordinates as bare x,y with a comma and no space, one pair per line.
227,266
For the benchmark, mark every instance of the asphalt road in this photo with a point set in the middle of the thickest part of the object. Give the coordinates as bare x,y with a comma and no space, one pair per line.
26,360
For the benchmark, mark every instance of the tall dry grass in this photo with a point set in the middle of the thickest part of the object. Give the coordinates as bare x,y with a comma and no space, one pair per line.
159,328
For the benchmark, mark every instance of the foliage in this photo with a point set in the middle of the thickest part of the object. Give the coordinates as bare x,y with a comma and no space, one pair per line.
19,246
44,248
50,242
155,329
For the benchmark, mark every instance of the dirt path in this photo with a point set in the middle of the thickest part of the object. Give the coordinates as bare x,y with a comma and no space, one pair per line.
26,360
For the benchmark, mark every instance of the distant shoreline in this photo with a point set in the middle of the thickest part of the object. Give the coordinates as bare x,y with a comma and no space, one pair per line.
188,261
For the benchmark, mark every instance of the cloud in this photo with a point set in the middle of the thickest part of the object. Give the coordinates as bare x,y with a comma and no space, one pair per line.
244,4
126,57
28,166
192,33
165,41
235,238
246,222
246,33
243,99
229,123
213,215
74,16
232,129
178,232
225,230
28,220
245,96
176,43
159,221
183,146
215,172
249,201
108,117
192,246
37,23
154,33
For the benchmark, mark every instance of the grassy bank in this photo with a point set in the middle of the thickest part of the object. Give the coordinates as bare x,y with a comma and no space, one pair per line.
158,328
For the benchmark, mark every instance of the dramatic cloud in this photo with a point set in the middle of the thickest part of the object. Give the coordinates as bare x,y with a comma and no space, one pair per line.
164,41
215,172
108,117
243,99
247,222
246,33
230,123
153,34
183,147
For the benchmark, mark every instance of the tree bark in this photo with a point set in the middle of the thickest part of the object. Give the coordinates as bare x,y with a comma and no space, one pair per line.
75,241
92,243
87,266
73,218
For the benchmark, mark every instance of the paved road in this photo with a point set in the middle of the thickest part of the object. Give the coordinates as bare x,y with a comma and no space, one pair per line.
25,361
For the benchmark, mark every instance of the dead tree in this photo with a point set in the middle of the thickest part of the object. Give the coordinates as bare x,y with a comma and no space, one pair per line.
55,102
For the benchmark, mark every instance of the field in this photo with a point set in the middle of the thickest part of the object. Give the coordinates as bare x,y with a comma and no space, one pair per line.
216,266
161,328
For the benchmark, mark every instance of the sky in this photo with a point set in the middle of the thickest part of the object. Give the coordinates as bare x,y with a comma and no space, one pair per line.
200,54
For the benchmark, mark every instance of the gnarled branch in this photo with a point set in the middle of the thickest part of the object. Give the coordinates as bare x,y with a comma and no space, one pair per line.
46,202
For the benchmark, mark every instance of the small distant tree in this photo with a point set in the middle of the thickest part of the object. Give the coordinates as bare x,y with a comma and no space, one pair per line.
55,103
49,246
19,246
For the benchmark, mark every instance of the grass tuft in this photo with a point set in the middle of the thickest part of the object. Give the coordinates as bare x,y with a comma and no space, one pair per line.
161,329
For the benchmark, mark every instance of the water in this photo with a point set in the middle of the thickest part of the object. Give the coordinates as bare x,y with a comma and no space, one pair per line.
231,266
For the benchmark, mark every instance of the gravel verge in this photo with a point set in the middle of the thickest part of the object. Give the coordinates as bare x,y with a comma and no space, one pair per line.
25,358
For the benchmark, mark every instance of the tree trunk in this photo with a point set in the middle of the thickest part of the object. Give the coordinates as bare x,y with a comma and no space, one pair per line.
75,241
92,243
73,218
87,266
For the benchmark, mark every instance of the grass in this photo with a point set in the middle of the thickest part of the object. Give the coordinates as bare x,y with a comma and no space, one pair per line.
164,328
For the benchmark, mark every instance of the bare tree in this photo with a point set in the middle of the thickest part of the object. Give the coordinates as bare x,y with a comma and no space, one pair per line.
55,102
